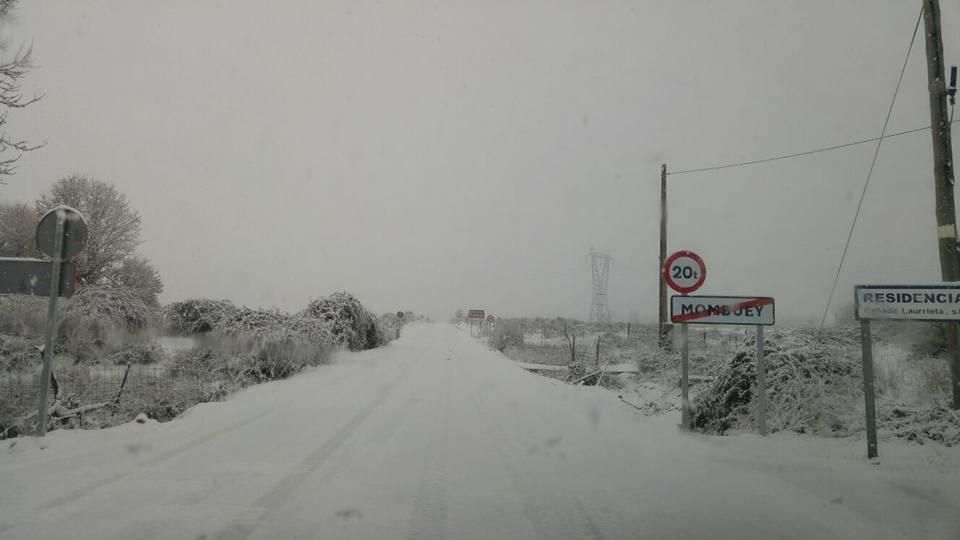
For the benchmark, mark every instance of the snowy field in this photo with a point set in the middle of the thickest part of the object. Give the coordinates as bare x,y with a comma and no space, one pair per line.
435,436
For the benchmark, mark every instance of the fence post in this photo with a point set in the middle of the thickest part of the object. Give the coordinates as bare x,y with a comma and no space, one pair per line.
597,361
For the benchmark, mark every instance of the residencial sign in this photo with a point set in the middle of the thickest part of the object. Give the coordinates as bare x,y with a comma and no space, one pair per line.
745,310
908,302
475,314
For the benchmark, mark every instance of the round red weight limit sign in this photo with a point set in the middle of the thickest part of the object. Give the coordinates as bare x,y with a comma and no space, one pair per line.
684,272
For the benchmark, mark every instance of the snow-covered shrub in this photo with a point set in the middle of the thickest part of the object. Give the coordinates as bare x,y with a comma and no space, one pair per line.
97,321
138,353
935,376
506,333
349,323
23,315
197,316
272,344
937,423
121,308
811,382
201,359
18,353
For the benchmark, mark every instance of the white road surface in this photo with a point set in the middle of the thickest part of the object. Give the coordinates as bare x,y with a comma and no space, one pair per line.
436,437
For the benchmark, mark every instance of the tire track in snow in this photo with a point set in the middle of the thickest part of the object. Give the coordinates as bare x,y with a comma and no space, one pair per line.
528,505
86,489
89,487
241,528
535,512
429,516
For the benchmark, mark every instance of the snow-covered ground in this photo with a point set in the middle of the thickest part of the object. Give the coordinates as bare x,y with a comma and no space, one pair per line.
434,436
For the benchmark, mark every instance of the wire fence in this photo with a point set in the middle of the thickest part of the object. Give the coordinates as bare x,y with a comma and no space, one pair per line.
160,391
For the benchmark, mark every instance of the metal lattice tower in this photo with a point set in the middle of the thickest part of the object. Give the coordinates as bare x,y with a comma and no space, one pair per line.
599,309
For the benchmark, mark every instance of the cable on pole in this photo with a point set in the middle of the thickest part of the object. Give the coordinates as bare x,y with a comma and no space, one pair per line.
873,164
800,154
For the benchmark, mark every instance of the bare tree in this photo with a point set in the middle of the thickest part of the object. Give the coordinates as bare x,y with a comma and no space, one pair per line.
114,226
12,72
17,228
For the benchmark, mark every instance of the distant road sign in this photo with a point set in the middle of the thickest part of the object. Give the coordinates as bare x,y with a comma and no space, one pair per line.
32,277
908,302
745,310
684,271
75,233
400,314
475,314
490,318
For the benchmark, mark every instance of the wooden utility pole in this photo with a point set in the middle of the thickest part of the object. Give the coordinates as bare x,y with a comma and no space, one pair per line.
662,315
943,174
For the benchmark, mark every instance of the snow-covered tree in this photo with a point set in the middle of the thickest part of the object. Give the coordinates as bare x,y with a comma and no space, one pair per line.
114,226
17,228
138,275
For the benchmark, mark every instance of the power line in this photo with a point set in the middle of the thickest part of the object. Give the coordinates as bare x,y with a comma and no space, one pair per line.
873,163
801,154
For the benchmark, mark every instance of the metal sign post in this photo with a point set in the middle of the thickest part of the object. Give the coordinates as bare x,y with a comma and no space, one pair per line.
870,407
51,321
733,310
475,315
762,380
61,235
684,272
931,303
684,378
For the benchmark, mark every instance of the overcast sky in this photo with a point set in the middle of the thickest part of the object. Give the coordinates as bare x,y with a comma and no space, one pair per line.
441,155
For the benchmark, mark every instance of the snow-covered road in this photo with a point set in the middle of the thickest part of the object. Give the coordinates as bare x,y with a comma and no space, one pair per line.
436,437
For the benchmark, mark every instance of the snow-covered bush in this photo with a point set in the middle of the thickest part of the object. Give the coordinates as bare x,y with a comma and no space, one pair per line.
201,359
937,423
506,333
23,315
197,316
349,323
18,353
138,353
97,321
812,380
121,308
271,344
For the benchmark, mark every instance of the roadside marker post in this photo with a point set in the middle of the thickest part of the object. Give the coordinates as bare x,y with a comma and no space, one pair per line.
925,303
